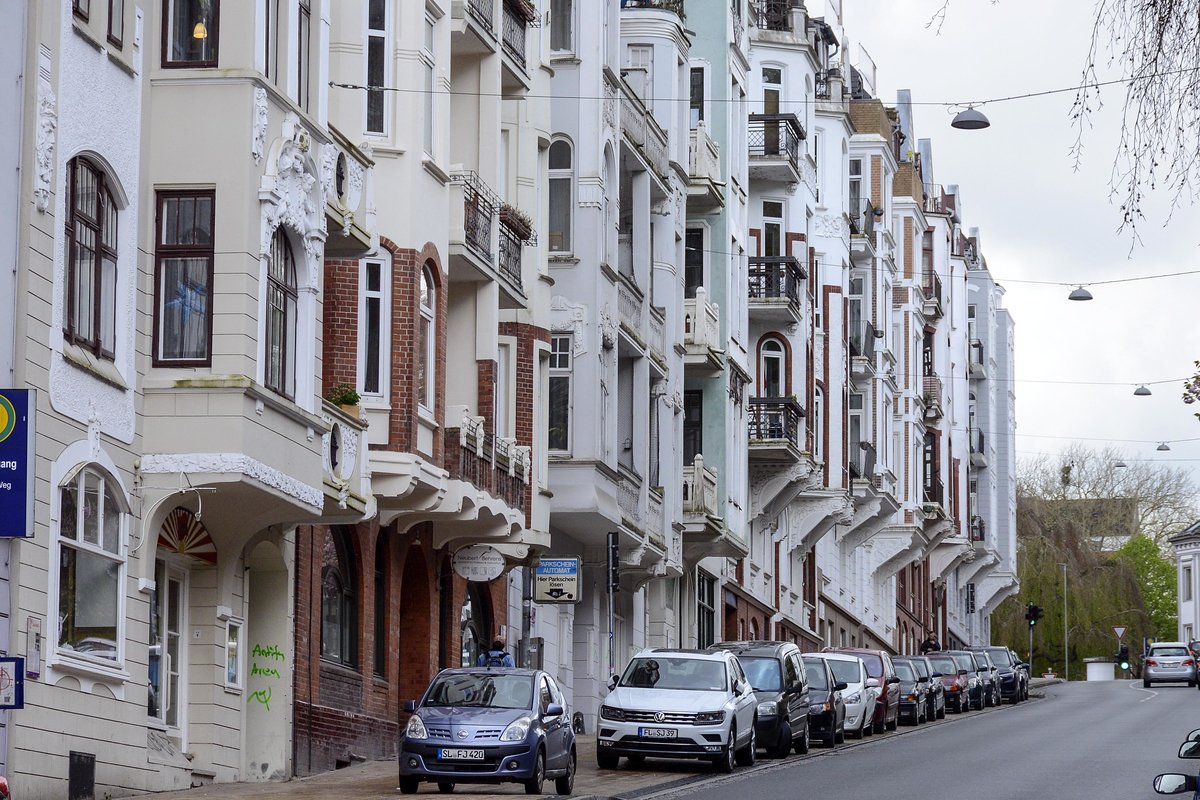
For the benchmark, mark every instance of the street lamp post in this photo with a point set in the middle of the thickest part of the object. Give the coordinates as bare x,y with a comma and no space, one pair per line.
1066,631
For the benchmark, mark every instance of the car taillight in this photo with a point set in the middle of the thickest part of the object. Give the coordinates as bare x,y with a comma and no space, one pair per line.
1187,662
1150,662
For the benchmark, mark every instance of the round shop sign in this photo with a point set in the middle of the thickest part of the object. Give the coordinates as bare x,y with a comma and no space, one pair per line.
479,562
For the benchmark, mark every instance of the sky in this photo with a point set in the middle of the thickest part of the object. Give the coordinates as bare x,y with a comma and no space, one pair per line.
1042,218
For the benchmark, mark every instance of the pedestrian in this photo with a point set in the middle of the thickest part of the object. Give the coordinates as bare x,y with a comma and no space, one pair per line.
496,657
931,644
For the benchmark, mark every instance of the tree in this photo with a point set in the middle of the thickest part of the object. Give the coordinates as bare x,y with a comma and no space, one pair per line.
1191,389
1156,581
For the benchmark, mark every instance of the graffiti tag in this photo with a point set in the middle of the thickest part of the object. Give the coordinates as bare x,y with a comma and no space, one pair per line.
263,696
271,651
268,672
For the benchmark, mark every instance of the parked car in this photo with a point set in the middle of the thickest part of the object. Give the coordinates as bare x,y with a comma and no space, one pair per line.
1169,662
827,709
913,692
679,704
1013,680
861,692
780,685
956,679
488,725
990,675
879,667
936,696
965,659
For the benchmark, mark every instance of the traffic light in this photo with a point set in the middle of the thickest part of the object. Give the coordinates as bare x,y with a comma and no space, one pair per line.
1123,657
1033,614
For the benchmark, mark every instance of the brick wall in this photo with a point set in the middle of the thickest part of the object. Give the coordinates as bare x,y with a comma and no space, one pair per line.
527,337
340,340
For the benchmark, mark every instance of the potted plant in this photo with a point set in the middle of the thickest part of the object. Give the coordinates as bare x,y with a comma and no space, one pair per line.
345,396
516,221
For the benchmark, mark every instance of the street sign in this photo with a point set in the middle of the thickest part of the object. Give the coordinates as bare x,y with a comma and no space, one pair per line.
1119,630
17,410
556,580
478,562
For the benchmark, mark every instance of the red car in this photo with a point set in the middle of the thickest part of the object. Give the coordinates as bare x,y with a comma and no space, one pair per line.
956,681
879,666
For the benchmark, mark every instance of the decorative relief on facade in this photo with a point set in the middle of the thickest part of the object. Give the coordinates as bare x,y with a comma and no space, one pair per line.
833,226
808,175
329,155
258,141
568,317
610,104
608,328
591,193
290,195
47,124
237,463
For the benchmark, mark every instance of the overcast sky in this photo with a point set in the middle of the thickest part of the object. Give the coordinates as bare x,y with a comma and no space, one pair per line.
1041,219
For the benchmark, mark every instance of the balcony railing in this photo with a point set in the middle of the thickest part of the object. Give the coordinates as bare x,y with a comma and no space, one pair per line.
775,419
862,342
642,129
704,155
699,488
773,136
772,15
701,320
933,491
977,442
512,33
674,6
862,460
976,353
931,283
479,207
510,255
775,277
978,529
497,466
936,199
481,11
932,385
862,217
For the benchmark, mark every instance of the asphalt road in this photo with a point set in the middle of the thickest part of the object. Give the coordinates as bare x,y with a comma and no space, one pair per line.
1083,740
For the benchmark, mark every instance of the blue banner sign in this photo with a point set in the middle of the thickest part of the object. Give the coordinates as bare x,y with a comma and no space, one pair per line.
17,410
556,580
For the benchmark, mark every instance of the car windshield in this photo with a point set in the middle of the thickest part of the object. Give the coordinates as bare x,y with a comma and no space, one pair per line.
944,665
919,667
1169,651
846,671
763,673
1000,658
675,672
905,671
965,661
481,690
816,675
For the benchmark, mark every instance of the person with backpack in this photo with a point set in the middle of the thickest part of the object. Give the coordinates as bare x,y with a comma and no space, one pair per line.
496,657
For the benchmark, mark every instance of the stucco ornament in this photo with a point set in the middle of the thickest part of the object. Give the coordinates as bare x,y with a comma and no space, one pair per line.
833,226
258,141
329,154
568,317
236,463
47,125
608,328
610,104
291,195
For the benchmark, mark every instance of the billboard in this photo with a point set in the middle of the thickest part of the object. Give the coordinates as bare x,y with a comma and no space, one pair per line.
17,410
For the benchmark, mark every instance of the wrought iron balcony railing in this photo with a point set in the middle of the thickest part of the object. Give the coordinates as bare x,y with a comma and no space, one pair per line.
512,33
775,277
510,254
933,491
775,419
481,11
775,136
674,6
772,15
862,460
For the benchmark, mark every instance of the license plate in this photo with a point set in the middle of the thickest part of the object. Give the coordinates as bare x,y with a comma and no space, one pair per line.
459,754
657,733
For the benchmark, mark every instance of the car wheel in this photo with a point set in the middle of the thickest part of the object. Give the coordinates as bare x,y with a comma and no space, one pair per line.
862,730
895,723
830,739
409,784
941,714
725,762
1145,683
747,755
784,745
445,787
801,744
606,760
879,727
840,737
534,784
566,784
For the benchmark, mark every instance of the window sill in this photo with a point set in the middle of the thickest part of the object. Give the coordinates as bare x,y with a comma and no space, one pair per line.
437,172
98,367
61,662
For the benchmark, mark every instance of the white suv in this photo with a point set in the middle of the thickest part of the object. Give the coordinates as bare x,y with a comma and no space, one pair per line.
678,704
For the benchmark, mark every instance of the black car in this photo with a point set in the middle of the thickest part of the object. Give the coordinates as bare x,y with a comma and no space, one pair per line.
936,694
826,710
780,685
913,692
1013,680
990,675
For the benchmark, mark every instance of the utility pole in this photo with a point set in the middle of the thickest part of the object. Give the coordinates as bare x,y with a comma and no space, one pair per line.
1066,629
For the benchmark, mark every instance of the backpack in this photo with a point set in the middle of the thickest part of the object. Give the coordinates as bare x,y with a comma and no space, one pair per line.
495,658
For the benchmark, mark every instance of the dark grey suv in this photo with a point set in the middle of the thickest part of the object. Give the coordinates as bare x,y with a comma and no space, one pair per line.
777,676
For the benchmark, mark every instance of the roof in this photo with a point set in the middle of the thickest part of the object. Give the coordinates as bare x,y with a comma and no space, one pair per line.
749,646
493,670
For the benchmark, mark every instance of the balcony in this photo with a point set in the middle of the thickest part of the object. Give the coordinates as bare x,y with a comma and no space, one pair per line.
862,218
704,530
344,453
702,334
699,489
479,250
936,199
673,6
643,132
774,287
350,202
978,360
978,448
978,529
491,464
776,424
631,310
862,349
473,29
932,397
931,284
706,191
658,332
862,461
774,142
773,15
515,18
933,494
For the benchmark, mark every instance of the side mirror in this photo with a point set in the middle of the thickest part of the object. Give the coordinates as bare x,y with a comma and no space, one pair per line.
738,686
613,681
922,679
1189,750
936,675
893,679
872,683
554,710
410,706
1174,783
841,685
1194,736
962,672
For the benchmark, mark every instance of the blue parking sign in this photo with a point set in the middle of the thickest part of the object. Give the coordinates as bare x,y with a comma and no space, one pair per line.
17,410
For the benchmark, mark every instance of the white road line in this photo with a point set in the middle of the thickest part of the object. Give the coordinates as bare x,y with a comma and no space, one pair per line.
1153,694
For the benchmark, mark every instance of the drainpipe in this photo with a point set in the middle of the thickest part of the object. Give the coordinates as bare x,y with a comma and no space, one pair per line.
526,612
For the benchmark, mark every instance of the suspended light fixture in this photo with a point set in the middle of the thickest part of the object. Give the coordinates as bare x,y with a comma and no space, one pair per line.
1120,465
970,119
1080,293
1141,391
1162,448
200,31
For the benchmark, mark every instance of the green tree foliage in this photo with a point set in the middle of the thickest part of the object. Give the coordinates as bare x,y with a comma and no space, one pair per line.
1156,579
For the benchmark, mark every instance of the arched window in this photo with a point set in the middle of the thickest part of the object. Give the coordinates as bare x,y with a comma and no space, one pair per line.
91,235
280,345
772,368
339,617
427,339
561,195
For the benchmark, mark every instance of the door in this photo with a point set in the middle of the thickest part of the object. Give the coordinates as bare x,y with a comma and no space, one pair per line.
555,755
772,91
167,664
797,697
693,422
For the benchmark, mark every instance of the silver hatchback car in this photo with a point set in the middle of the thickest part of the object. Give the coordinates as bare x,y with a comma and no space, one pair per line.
1169,662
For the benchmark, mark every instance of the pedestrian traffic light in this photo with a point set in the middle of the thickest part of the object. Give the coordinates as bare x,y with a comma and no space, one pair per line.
1123,657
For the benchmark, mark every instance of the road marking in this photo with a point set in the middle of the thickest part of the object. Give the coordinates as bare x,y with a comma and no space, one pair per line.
1153,694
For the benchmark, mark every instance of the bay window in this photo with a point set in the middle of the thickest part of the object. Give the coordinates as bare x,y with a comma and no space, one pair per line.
190,29
183,282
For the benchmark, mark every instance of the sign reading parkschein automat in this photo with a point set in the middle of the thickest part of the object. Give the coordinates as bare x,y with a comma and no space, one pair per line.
17,408
556,580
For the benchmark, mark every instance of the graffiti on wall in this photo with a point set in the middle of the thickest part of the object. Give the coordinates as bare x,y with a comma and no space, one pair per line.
267,660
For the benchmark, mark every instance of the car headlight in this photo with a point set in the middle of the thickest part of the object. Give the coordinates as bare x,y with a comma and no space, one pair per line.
827,707
912,698
416,728
768,708
854,698
608,712
517,730
711,716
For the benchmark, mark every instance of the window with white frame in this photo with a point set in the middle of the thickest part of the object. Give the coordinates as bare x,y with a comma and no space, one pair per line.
706,609
1186,594
280,341
693,261
559,417
772,211
428,60
427,339
641,71
696,96
303,52
168,646
562,25
233,654
377,66
91,567
772,368
854,200
505,391
270,34
374,327
816,151
561,187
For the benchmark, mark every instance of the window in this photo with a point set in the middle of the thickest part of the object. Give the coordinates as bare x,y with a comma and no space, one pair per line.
233,654
693,261
339,613
561,23
374,320
693,422
183,281
168,653
561,179
82,8
303,52
116,22
706,609
560,393
1186,594
380,639
772,228
502,411
856,421
91,234
427,340
696,93
854,201
641,71
280,343
818,424
816,154
376,64
428,59
271,39
772,369
91,568
190,29
927,252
